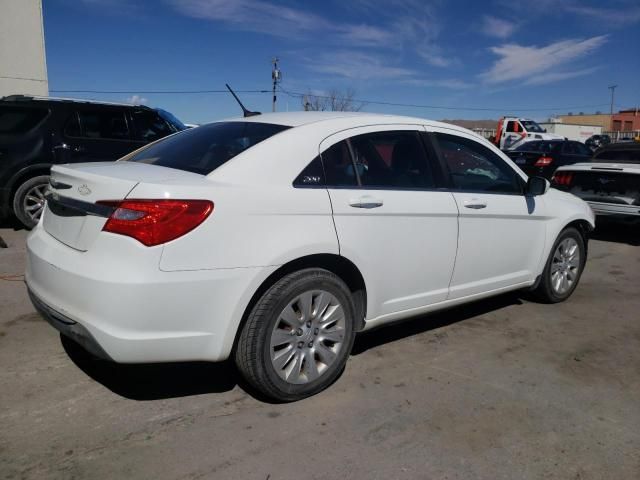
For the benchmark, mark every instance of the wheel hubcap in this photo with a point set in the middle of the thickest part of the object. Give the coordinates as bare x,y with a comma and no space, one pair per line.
33,203
307,336
565,265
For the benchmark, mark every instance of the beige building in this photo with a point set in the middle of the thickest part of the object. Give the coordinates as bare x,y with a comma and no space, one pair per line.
598,119
23,67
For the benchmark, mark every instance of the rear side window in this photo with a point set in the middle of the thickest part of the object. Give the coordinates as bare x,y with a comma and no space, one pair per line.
394,159
203,149
16,120
110,125
150,126
338,166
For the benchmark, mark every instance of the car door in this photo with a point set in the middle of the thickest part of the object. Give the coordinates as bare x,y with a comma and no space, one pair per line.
97,134
390,218
501,231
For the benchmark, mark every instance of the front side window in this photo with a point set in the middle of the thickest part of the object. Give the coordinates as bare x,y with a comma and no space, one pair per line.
109,125
203,149
474,167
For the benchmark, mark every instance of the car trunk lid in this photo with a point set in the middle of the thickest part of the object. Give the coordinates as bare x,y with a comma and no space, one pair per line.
72,215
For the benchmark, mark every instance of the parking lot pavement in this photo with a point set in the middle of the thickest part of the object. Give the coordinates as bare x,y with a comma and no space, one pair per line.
503,388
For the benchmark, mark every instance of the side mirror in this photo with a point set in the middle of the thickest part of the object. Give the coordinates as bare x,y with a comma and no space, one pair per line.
537,186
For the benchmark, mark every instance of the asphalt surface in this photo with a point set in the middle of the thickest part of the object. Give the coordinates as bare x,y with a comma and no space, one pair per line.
500,389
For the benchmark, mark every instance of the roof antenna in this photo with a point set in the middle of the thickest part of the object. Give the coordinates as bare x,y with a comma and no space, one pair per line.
245,112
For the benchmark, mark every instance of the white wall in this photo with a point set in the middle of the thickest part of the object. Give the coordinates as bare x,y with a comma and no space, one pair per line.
23,67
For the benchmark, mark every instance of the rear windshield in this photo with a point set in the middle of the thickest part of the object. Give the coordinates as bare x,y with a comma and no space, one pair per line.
15,120
203,149
539,146
630,156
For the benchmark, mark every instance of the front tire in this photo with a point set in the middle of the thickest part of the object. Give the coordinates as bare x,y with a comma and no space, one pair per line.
28,201
298,336
563,269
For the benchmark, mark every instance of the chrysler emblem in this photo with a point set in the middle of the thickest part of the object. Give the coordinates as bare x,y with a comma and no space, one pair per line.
84,190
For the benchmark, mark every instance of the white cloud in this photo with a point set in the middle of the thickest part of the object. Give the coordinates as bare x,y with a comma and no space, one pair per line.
623,15
518,62
282,21
497,27
558,76
136,100
397,23
357,65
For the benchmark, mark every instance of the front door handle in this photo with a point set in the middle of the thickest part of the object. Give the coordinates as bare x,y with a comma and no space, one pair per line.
365,202
475,203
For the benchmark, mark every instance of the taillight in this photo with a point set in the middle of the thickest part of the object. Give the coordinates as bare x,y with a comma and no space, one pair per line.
543,161
562,178
153,222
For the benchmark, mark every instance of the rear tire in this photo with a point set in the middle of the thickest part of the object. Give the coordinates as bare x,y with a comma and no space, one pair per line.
563,269
28,201
298,336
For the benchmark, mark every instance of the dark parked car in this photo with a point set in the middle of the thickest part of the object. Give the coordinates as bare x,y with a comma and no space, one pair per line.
597,141
542,157
38,132
610,182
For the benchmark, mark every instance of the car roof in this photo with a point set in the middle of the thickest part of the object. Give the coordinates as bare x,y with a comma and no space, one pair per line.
298,119
25,99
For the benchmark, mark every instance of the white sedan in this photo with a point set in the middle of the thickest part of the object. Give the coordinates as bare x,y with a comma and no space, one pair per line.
274,239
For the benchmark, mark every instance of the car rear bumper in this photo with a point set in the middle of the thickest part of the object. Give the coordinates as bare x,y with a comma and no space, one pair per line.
612,209
132,314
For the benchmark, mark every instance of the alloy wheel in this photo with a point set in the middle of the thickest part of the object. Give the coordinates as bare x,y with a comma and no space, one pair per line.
34,201
307,336
565,266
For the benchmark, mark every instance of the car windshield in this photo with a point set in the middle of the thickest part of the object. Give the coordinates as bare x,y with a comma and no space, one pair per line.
531,126
203,149
618,156
171,119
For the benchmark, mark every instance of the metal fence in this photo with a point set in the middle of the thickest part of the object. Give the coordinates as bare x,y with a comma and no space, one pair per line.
616,136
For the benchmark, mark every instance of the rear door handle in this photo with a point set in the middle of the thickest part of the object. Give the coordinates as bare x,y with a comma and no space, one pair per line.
475,203
366,202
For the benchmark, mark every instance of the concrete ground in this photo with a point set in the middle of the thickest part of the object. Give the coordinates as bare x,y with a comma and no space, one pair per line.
502,388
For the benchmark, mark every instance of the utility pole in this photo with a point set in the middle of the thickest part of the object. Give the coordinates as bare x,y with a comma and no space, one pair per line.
613,89
276,77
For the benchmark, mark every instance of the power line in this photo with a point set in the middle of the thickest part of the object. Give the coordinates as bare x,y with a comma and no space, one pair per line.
442,107
153,92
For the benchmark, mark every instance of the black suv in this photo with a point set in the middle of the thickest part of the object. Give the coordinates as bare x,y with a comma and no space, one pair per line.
38,132
596,141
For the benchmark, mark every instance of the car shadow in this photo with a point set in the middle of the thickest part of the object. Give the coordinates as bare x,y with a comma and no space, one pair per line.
158,381
12,223
154,381
617,232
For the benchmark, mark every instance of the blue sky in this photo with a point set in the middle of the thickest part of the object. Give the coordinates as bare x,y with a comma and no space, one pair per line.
522,57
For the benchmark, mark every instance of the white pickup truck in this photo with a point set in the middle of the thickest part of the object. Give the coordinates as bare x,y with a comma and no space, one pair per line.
513,131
